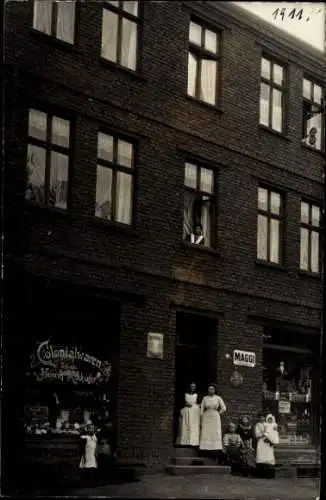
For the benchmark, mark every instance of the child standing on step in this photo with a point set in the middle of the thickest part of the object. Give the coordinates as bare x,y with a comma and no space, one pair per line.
233,446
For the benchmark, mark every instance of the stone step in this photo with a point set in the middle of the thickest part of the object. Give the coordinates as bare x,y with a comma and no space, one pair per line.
183,451
188,461
182,470
297,471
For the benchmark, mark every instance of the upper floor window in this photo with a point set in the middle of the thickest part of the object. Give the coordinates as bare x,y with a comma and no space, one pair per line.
272,93
199,202
55,18
120,26
203,63
309,237
269,225
312,114
114,185
48,157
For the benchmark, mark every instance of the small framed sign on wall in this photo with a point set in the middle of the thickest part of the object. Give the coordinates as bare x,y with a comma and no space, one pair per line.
155,345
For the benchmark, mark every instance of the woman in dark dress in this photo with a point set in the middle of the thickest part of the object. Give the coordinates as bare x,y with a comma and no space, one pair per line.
246,433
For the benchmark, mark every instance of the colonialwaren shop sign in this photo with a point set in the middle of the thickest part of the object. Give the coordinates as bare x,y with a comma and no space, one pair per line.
244,358
68,364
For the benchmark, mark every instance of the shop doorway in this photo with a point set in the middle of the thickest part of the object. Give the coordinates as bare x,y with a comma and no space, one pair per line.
293,395
196,357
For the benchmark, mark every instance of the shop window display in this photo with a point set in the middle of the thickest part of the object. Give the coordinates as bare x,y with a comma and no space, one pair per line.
287,393
68,387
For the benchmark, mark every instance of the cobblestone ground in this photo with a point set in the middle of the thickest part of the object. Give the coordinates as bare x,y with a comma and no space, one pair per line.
208,486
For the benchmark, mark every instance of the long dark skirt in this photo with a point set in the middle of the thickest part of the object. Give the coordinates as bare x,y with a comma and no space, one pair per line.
248,458
233,458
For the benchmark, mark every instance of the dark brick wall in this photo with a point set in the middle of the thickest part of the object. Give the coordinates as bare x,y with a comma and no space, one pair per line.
150,259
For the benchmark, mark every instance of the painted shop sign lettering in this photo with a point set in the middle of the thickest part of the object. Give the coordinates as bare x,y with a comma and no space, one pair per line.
67,364
244,358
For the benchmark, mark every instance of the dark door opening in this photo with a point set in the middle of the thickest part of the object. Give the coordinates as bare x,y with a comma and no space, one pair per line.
196,358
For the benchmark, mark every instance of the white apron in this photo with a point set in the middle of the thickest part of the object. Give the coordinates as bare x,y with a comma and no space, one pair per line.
88,460
190,422
265,452
211,432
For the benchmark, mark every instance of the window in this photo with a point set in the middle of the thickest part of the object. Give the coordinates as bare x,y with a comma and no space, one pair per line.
114,186
203,63
48,156
269,226
272,91
199,201
312,114
120,23
55,18
309,237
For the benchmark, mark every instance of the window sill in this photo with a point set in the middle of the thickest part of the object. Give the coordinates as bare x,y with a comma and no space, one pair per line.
114,226
123,69
271,265
213,107
313,150
47,208
309,274
200,248
281,135
53,41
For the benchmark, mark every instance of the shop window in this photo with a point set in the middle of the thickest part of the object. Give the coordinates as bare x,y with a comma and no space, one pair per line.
115,171
310,237
199,203
269,225
120,30
312,114
55,18
272,94
203,63
48,158
288,376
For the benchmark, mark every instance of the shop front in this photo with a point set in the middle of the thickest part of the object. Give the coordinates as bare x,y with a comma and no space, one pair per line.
291,386
65,367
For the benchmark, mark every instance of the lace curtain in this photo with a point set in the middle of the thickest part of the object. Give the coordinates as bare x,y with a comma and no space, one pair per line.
42,19
128,49
66,20
276,120
208,81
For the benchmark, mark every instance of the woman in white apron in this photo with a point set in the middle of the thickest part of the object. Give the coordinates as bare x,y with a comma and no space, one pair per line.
267,437
190,419
212,407
88,462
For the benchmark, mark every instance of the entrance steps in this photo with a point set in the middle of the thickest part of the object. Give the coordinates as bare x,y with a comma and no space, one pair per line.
186,461
297,461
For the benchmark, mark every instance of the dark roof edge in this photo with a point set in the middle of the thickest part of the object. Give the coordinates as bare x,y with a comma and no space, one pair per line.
262,28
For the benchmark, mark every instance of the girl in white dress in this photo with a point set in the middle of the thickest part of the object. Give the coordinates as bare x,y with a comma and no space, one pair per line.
88,461
190,419
267,437
212,407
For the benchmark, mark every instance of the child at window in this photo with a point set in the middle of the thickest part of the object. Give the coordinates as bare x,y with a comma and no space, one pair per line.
197,237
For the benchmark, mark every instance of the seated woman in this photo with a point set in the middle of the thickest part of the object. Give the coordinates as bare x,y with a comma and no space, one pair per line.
233,445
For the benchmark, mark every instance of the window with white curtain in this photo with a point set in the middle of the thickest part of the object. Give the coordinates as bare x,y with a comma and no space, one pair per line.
310,230
55,18
114,183
199,204
48,158
313,121
269,226
272,95
203,63
120,26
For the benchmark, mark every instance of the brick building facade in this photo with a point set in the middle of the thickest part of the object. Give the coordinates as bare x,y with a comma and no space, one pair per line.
143,270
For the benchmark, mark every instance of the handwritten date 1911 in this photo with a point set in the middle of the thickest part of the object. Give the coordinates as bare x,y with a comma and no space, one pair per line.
286,14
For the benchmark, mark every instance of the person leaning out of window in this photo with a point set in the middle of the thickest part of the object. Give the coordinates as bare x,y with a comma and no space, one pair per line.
196,237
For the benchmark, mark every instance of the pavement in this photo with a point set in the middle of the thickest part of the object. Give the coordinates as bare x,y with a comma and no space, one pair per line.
208,486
